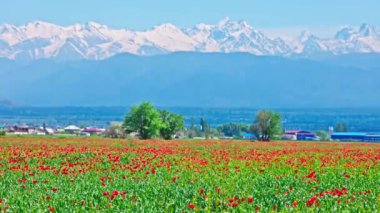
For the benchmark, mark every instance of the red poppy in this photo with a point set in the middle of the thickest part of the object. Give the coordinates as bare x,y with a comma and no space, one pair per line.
312,201
311,175
218,190
191,206
51,209
346,175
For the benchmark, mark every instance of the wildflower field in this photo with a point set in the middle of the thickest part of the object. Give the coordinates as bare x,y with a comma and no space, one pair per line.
104,175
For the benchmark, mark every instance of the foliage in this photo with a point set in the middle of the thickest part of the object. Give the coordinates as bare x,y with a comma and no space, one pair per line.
214,133
104,175
341,127
193,131
115,131
323,135
267,125
144,119
2,133
171,124
205,128
150,122
233,129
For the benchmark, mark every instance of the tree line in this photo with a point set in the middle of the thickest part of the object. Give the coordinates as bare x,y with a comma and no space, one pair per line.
149,122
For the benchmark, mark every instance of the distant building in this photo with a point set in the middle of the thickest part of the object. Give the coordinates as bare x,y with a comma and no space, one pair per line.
179,135
249,136
226,138
85,134
72,129
372,138
21,129
93,130
47,130
299,135
348,136
355,136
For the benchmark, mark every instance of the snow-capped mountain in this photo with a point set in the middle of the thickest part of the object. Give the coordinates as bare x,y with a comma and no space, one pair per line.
38,40
347,40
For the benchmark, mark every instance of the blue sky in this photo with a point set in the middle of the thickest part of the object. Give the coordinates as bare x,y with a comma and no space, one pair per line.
143,14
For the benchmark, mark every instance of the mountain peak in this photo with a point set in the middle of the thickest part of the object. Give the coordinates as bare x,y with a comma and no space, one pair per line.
235,26
39,24
203,26
345,33
166,28
367,30
225,21
95,25
6,28
306,35
244,23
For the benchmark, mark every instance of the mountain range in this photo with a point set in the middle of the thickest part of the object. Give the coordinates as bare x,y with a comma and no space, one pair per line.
42,40
190,79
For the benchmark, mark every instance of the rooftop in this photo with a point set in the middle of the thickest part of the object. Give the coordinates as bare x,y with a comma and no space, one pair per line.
350,133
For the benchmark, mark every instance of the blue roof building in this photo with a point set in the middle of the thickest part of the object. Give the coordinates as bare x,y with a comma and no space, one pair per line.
355,136
249,136
372,138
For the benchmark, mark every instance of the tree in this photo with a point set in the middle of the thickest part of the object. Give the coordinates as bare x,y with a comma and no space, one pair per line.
341,127
345,127
193,130
323,135
213,132
144,119
203,124
233,129
205,128
338,127
171,124
267,125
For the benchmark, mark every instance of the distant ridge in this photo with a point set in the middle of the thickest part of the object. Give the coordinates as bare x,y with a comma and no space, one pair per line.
42,40
191,79
6,103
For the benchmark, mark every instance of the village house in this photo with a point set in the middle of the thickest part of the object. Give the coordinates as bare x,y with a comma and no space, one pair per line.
297,135
93,130
21,129
72,129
